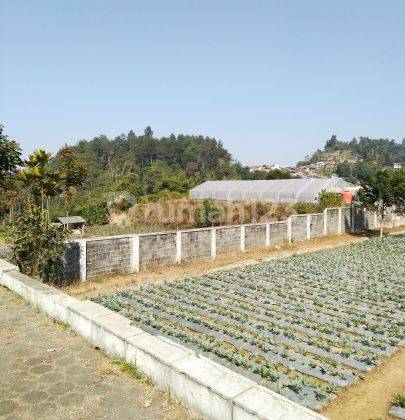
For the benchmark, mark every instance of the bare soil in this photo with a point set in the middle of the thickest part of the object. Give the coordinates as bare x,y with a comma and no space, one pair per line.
372,397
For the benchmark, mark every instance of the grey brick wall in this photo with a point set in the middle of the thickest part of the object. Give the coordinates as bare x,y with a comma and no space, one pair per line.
298,228
332,222
157,250
359,219
6,253
346,219
113,254
369,220
255,236
71,270
228,240
108,256
196,245
278,233
316,225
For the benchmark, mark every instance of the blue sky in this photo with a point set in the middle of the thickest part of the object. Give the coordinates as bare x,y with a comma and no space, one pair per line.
271,79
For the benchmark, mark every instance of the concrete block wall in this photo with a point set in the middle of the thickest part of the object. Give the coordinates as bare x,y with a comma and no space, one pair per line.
346,219
299,228
93,257
72,262
108,256
255,236
157,250
278,233
358,218
228,240
196,244
332,225
317,224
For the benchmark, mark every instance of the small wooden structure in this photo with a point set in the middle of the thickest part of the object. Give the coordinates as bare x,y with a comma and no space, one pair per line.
72,222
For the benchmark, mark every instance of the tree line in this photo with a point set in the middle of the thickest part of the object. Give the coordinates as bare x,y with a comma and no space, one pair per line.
371,155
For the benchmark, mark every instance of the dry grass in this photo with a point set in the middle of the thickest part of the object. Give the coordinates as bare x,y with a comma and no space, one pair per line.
372,397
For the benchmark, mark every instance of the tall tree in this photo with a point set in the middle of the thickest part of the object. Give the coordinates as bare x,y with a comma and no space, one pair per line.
72,173
384,191
37,163
10,159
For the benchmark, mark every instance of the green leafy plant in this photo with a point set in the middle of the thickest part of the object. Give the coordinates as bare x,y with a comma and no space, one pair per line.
38,246
399,400
328,199
305,208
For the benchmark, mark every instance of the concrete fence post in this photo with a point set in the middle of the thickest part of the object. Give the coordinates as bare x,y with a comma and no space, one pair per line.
242,238
135,254
213,243
352,210
340,221
83,259
267,234
308,226
289,235
178,247
325,222
375,220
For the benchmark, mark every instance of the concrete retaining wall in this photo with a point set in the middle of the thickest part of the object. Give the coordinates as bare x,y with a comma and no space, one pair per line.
92,257
205,387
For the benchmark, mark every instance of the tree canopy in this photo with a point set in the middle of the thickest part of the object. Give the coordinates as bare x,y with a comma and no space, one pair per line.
384,190
380,152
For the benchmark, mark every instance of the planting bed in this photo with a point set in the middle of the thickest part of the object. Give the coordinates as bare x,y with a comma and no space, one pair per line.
303,326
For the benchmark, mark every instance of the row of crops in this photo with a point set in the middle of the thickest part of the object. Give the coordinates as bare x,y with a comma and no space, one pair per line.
303,326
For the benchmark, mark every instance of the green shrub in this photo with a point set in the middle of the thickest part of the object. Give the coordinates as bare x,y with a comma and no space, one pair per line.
94,213
38,246
328,199
400,400
305,208
210,214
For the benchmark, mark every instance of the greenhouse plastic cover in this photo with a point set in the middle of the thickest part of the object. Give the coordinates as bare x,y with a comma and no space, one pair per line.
276,191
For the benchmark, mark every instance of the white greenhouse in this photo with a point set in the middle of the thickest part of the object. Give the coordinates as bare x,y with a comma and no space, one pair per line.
275,191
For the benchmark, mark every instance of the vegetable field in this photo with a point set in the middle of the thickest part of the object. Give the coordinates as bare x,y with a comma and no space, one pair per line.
303,326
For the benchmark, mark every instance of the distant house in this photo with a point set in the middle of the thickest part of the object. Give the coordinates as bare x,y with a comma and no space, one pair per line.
72,222
397,165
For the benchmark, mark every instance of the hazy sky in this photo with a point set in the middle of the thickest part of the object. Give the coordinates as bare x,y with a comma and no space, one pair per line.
271,79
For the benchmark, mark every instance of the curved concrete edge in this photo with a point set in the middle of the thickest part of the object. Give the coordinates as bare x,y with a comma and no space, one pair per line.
205,387
397,412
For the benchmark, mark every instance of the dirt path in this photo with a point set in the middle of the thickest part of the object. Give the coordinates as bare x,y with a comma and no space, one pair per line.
370,399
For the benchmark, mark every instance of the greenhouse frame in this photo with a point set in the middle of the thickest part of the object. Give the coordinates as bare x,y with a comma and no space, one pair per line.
275,191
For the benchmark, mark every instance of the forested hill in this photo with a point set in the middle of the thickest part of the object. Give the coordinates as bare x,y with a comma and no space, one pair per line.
381,152
146,165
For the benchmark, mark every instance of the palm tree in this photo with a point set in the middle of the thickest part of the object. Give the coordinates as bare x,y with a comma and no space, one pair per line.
37,162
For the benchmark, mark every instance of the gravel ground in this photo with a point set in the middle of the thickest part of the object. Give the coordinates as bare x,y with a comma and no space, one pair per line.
47,371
